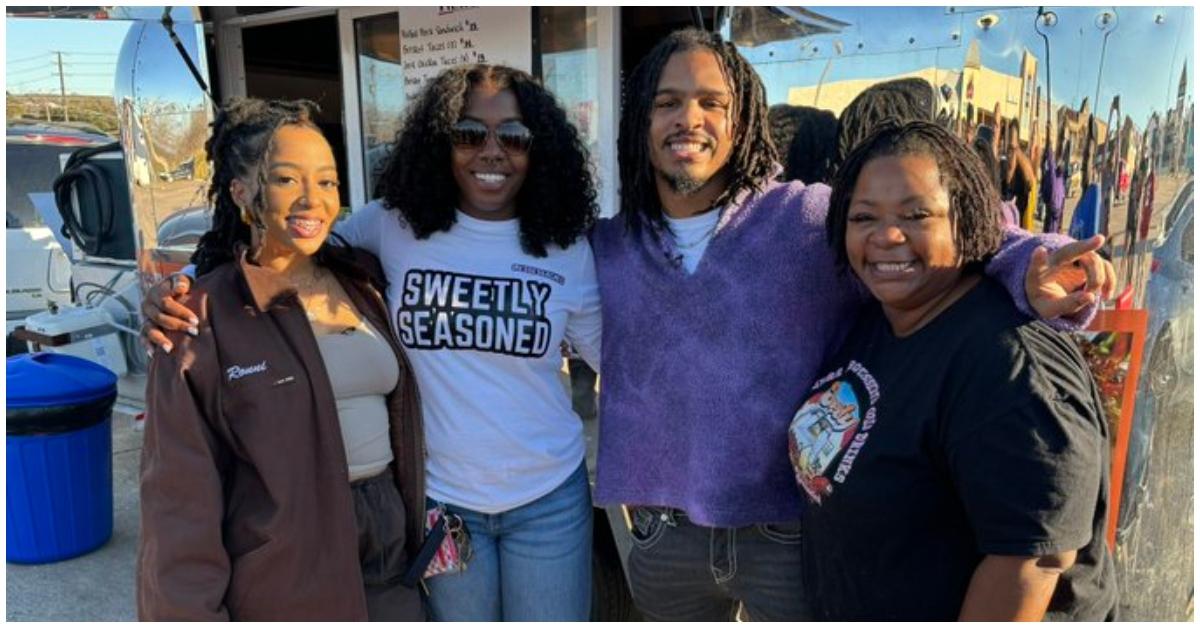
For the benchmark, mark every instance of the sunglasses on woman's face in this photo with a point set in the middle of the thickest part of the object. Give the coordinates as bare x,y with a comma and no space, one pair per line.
512,136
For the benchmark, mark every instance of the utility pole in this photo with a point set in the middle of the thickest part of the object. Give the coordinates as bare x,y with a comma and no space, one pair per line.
62,88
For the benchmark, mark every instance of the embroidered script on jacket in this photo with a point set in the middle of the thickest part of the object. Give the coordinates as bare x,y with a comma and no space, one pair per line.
238,372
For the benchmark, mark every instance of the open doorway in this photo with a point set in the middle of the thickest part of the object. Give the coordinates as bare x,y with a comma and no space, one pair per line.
643,27
301,59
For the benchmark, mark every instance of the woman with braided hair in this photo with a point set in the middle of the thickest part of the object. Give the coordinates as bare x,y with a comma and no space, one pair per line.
954,454
282,468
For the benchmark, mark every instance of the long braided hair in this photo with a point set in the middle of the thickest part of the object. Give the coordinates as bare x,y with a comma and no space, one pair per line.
555,205
806,138
903,99
754,157
974,202
238,148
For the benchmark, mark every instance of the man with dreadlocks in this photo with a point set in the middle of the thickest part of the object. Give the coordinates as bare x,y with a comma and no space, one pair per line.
720,301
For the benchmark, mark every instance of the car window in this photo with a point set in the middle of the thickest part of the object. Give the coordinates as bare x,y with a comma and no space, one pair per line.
1183,200
30,168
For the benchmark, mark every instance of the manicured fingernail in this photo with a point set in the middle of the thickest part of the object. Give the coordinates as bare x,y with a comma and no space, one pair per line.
194,321
193,331
150,354
167,347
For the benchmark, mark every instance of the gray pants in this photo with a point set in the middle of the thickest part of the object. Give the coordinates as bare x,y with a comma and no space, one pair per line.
379,509
680,571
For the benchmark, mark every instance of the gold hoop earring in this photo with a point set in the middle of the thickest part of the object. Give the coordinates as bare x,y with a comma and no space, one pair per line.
246,216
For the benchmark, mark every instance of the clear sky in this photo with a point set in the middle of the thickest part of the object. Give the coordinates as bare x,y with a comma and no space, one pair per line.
89,54
1142,63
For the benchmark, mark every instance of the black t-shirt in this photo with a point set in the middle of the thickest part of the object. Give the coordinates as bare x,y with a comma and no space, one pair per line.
980,434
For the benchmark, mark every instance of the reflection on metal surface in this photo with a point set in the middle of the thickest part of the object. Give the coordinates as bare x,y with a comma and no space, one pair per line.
987,21
179,14
164,119
1101,130
755,26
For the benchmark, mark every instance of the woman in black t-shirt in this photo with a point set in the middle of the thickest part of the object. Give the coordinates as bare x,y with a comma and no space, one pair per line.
954,454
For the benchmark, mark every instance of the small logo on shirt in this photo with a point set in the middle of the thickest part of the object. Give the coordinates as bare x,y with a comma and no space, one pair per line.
540,272
238,372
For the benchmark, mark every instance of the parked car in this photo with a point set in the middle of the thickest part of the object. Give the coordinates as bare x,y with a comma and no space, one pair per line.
38,268
1165,387
1169,300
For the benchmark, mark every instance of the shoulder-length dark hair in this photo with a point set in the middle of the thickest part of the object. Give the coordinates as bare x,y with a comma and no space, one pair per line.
754,157
556,203
974,202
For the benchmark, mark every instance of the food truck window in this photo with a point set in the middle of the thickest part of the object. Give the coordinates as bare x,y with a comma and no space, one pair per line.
381,89
277,66
570,64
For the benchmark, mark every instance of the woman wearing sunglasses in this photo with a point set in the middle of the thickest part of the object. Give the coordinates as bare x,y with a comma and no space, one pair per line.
479,225
482,210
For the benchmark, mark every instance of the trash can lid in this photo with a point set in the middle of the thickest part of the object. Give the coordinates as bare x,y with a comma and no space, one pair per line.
37,380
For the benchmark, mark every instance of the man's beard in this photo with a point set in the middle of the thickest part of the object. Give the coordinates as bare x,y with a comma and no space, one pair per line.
684,184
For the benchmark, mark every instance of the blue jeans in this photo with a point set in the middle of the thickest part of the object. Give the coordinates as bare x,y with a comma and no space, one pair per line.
531,563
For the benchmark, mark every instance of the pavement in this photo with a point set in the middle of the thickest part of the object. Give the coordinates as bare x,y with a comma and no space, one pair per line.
98,586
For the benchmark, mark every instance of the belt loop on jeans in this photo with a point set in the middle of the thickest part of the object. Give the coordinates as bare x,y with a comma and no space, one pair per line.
672,516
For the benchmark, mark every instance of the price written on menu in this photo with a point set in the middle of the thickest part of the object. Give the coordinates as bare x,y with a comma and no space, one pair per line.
435,38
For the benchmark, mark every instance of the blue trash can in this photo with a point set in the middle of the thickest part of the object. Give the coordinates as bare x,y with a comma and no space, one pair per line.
59,456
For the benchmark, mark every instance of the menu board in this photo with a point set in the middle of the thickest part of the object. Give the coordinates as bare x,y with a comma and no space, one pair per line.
435,38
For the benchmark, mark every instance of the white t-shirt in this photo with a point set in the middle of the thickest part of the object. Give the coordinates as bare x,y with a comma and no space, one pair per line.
482,322
692,235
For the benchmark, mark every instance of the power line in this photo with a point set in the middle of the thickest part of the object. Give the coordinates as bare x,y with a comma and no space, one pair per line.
34,62
37,69
33,82
41,56
87,54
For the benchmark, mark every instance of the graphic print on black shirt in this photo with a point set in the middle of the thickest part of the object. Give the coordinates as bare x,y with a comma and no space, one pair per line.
447,310
834,422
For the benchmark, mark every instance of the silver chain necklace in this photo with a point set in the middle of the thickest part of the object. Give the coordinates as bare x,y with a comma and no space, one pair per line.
694,243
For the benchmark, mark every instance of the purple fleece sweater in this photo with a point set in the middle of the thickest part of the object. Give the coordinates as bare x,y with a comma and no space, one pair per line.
702,373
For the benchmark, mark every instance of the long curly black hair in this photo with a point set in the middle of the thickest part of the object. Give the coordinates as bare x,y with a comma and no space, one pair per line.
238,148
557,202
974,200
754,157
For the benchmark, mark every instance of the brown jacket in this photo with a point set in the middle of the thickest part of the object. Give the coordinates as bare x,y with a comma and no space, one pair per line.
246,504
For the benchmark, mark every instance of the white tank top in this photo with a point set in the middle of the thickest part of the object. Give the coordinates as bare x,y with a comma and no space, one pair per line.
363,370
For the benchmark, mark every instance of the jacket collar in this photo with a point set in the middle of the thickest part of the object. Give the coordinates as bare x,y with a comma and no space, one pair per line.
265,285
